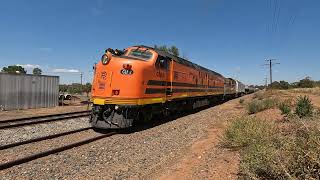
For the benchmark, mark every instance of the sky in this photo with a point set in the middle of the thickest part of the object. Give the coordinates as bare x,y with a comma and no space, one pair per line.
232,37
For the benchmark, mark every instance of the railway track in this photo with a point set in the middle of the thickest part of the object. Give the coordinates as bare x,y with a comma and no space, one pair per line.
48,152
41,119
15,144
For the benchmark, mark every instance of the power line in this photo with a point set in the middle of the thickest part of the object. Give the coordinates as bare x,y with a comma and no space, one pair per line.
278,16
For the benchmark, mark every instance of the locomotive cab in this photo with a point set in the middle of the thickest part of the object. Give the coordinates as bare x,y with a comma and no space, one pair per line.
120,86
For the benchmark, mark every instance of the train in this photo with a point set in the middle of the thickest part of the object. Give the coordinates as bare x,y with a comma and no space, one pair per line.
138,83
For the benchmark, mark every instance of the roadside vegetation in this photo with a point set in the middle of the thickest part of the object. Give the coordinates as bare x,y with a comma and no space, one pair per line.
75,88
256,106
303,83
314,91
261,101
288,149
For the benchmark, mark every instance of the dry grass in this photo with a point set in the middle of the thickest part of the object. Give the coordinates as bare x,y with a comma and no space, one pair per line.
314,91
272,150
260,105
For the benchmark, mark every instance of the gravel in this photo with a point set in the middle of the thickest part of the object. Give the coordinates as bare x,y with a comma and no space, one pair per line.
29,132
139,155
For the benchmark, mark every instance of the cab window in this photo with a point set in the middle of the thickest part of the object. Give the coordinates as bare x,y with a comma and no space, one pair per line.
140,54
162,62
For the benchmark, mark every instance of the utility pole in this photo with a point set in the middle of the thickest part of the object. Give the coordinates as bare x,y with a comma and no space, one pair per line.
270,63
81,74
266,82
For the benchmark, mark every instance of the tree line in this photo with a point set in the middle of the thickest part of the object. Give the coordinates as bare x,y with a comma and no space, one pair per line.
303,83
15,69
75,88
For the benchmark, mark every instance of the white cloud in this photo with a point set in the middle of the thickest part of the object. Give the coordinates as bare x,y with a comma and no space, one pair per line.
65,71
29,66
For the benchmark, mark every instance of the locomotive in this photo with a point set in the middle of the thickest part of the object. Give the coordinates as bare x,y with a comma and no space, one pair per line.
141,82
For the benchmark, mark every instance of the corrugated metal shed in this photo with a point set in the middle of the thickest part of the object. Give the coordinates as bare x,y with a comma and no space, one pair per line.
26,91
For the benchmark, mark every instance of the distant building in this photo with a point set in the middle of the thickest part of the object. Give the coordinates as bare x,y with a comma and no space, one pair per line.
26,91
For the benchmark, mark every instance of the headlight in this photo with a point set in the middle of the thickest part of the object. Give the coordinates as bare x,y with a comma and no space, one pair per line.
105,59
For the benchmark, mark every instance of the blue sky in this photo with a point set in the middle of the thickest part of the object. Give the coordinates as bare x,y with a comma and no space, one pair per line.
232,37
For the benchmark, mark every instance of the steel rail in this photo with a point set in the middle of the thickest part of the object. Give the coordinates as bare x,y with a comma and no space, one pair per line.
44,120
7,146
32,157
41,117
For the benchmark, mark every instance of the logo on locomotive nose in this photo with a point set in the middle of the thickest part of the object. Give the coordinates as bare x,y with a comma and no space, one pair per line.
104,75
126,71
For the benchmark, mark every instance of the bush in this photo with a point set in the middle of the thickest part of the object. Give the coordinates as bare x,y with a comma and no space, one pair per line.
254,107
246,131
260,105
304,107
285,108
259,95
269,103
241,101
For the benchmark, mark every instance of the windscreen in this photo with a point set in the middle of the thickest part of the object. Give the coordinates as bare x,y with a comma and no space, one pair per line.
140,54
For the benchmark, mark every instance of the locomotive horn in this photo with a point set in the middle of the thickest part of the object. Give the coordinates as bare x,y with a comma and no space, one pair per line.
109,50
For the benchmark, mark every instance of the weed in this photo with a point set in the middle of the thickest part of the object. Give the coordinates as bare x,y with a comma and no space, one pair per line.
267,152
260,105
241,101
254,107
245,131
285,108
269,103
304,107
259,95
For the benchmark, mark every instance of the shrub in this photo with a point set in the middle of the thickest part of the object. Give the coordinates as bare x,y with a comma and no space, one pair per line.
246,131
285,108
254,107
260,105
259,95
304,107
241,101
269,103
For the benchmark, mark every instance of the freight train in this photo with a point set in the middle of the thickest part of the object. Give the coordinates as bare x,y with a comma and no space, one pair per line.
141,82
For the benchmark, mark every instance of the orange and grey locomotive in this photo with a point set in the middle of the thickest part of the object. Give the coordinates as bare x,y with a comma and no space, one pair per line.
141,82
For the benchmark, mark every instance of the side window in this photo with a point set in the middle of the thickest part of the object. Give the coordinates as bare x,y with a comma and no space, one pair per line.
162,62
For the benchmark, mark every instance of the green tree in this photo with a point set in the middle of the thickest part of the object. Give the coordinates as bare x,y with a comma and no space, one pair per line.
280,85
172,50
75,88
87,88
306,83
37,71
63,88
14,69
284,85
